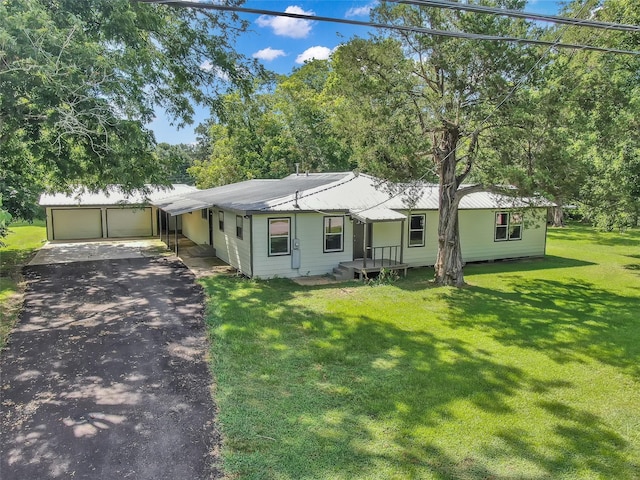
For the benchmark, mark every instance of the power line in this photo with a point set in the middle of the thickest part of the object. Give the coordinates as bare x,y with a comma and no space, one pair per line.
427,31
521,14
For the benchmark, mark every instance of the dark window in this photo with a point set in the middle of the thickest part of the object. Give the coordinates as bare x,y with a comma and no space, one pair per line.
221,221
508,226
204,213
416,230
333,234
239,226
279,236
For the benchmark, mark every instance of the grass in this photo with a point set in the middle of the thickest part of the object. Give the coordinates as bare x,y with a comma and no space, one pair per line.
23,239
530,372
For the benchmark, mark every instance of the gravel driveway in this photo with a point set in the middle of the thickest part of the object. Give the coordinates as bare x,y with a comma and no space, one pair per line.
105,376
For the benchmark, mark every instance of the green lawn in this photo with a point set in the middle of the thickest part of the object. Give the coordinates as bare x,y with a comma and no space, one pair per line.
23,239
531,372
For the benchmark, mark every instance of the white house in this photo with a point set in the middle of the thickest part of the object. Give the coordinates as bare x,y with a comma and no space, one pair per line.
315,224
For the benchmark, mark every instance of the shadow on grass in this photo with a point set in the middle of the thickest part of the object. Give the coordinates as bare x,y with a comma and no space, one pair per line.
309,395
568,320
584,233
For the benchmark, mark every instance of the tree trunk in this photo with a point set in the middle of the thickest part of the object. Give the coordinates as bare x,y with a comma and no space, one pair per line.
448,267
558,216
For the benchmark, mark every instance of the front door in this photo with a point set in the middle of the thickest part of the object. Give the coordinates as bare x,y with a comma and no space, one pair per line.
358,240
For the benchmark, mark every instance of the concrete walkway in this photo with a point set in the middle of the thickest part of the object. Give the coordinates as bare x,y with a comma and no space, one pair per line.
88,250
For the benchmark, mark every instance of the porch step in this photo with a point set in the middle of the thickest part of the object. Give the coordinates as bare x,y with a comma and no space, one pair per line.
342,272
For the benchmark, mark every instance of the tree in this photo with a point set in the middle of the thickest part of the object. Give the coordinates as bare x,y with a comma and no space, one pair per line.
79,80
436,96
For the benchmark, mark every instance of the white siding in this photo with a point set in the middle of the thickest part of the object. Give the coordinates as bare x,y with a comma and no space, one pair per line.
229,248
309,229
195,227
422,256
477,230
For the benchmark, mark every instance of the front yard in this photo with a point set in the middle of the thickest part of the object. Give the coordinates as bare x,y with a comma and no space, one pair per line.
531,372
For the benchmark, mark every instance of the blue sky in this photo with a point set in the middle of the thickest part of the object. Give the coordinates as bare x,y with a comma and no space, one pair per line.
283,44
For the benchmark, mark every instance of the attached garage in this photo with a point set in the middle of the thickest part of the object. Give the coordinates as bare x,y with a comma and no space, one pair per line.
83,215
129,222
76,223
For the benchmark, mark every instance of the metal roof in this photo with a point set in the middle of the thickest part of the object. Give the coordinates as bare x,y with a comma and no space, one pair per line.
362,195
378,214
112,195
250,195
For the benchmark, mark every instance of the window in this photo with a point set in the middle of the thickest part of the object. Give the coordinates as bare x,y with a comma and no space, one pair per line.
221,221
333,234
508,226
239,226
204,214
279,233
416,230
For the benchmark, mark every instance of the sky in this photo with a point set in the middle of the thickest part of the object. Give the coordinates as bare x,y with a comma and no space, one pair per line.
282,44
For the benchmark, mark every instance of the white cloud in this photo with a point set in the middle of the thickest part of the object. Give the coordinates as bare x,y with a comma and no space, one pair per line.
359,11
288,27
207,66
269,54
317,52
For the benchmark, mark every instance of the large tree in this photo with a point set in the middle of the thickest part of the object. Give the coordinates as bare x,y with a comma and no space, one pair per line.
432,102
80,80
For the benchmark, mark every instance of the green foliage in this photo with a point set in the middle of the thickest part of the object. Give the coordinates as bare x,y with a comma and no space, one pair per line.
79,81
532,371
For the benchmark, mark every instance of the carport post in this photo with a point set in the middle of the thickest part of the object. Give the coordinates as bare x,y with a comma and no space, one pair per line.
176,235
160,219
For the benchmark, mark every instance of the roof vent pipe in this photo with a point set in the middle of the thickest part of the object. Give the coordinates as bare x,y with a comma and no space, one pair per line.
297,169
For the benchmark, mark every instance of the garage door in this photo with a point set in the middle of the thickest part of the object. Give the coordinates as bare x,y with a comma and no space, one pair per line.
129,222
77,223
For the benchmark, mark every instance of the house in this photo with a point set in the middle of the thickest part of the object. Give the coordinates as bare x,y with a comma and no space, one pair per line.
111,214
314,224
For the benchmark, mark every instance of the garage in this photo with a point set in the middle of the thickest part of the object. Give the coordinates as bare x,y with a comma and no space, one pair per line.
76,224
129,222
110,213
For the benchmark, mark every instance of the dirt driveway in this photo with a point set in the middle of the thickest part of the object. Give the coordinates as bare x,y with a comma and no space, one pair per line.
105,376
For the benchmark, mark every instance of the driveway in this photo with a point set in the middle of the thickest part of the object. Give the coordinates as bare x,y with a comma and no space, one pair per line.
105,375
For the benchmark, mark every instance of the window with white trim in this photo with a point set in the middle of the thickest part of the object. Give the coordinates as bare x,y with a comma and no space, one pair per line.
508,226
416,230
204,214
279,236
239,226
333,234
221,221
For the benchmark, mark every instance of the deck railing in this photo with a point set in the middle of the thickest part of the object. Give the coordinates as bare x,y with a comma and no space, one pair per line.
380,254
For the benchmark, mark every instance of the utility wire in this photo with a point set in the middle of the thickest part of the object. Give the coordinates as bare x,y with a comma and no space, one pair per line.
404,28
521,14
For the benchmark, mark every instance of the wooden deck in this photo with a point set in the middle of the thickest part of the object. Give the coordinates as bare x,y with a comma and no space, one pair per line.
373,266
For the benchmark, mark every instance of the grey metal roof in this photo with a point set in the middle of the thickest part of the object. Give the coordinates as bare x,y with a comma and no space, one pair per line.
378,214
359,194
112,195
250,195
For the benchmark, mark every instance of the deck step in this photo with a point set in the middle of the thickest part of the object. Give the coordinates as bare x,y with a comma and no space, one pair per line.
342,272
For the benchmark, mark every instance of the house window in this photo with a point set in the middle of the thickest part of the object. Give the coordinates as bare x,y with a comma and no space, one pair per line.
508,226
204,214
333,234
221,221
279,236
239,226
416,230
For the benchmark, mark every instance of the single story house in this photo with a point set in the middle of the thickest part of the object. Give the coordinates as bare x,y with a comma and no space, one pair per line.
315,224
111,214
